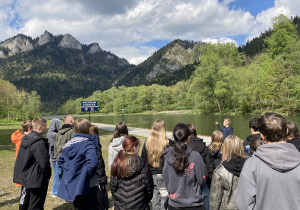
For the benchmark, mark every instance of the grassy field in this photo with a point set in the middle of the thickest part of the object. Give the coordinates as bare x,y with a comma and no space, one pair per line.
9,193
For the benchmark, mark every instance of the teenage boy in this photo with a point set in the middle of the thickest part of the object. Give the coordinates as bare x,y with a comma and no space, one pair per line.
270,179
16,138
227,130
32,169
254,135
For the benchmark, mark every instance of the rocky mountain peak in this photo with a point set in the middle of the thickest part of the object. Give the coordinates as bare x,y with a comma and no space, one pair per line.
70,42
95,48
18,44
45,38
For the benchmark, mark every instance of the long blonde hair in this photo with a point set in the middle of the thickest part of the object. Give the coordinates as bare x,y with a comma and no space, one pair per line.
232,147
217,139
156,143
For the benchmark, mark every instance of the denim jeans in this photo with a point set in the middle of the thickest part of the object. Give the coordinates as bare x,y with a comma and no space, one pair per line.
205,191
159,193
56,177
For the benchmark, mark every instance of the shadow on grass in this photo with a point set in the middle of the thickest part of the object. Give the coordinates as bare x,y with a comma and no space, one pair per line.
65,206
9,202
4,194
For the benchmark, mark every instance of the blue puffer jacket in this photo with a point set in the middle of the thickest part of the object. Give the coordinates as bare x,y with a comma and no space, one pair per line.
79,161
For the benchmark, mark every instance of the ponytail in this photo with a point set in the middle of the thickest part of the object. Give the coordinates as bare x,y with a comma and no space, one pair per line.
118,167
181,133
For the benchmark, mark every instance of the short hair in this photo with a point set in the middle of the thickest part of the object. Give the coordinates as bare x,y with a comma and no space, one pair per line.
255,143
192,129
254,124
292,130
38,122
68,118
273,127
228,120
82,126
26,125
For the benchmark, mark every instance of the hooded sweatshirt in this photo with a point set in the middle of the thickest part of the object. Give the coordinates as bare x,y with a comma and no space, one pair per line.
32,167
114,147
54,126
184,187
217,156
270,179
16,138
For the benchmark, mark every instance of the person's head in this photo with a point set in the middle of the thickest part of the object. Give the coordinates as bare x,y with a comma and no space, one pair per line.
226,122
272,127
120,130
232,146
94,130
156,143
292,130
192,129
69,119
121,166
181,133
82,126
253,125
255,143
27,126
39,125
54,125
217,139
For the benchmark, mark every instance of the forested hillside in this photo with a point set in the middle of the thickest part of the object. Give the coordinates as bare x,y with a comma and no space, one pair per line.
227,80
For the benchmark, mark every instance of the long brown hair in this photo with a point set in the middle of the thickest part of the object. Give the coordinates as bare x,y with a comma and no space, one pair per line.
217,139
232,146
120,166
120,130
156,143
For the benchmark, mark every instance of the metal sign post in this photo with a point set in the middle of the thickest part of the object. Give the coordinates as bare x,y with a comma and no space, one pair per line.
123,111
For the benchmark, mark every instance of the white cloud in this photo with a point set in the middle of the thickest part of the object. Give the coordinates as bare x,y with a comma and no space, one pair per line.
264,19
123,26
220,40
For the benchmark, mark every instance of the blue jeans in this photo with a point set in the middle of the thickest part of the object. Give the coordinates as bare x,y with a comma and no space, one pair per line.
205,191
56,177
160,192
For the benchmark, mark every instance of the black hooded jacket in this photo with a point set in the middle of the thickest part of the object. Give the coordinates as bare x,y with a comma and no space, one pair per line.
199,146
32,167
235,165
136,191
217,156
295,142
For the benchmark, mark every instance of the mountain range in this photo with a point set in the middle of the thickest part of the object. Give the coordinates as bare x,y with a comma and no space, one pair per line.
61,68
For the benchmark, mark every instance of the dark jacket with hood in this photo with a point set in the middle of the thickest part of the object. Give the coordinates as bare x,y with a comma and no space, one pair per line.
217,157
65,134
79,161
32,167
184,187
54,126
199,146
295,142
135,191
270,179
224,184
246,143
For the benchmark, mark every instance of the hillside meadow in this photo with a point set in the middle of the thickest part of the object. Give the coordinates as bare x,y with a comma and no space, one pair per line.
9,193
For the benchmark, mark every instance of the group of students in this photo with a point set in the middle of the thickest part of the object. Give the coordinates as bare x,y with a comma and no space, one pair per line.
182,173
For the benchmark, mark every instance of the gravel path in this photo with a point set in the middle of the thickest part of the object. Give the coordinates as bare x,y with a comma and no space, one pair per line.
143,132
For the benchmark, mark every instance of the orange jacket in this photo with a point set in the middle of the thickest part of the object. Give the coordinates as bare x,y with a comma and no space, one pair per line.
16,138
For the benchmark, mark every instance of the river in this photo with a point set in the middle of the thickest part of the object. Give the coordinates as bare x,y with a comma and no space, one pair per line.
205,124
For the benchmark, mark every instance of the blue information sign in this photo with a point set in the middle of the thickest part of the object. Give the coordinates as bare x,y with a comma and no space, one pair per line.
89,106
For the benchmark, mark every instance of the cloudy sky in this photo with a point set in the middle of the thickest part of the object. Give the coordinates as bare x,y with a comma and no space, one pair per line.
135,29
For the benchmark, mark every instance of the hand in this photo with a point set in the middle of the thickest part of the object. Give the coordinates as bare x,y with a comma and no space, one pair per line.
217,123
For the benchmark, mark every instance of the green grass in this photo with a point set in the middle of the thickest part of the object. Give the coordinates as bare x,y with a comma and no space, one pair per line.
9,193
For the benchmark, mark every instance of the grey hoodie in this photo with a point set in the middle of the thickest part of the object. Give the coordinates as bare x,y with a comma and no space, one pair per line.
270,179
184,187
54,126
114,147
